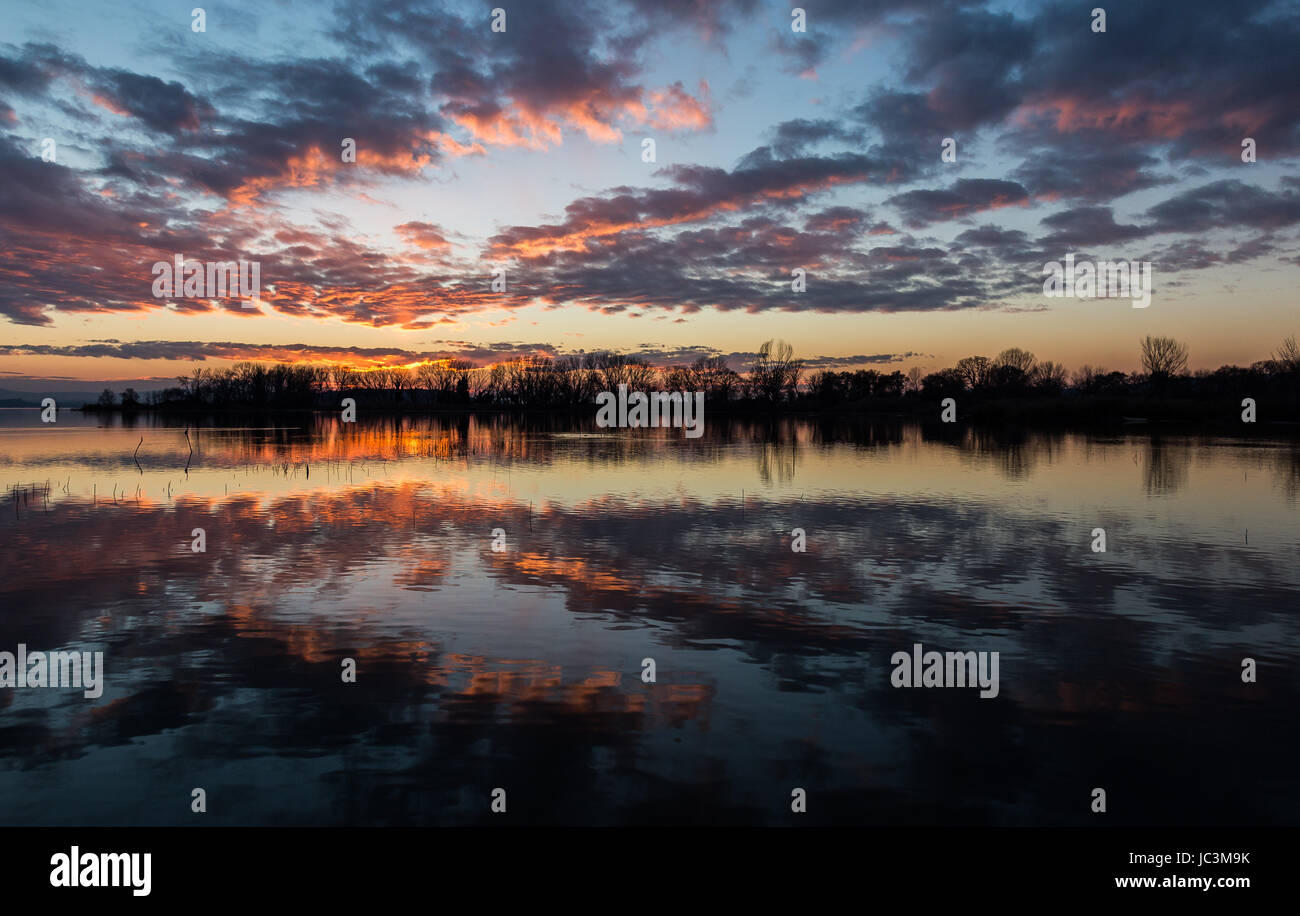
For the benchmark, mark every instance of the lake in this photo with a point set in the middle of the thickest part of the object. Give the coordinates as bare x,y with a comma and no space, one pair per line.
521,667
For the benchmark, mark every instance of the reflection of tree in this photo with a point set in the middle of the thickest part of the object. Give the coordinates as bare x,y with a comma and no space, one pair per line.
775,446
1165,469
1016,461
1286,464
776,457
1015,453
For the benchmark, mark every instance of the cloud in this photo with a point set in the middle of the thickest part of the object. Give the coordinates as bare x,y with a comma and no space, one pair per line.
1085,226
478,354
965,197
423,235
1226,203
220,154
559,67
166,107
699,193
1071,168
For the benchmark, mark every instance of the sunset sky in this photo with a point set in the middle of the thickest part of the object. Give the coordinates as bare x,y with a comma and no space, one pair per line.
522,150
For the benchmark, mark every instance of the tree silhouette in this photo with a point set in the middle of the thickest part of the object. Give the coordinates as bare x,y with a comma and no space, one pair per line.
1288,355
1163,356
776,372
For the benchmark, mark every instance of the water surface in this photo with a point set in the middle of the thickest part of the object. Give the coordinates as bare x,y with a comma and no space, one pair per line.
522,669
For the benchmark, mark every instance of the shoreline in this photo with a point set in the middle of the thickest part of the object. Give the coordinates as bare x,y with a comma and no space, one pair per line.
1219,416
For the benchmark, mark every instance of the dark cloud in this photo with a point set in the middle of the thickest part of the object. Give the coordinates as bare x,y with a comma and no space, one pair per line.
1195,83
990,236
1078,168
836,219
700,193
31,69
966,197
560,65
478,354
796,137
163,107
1046,110
1226,203
1085,226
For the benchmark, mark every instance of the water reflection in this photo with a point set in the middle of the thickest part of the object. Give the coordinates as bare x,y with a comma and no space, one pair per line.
522,668
1164,467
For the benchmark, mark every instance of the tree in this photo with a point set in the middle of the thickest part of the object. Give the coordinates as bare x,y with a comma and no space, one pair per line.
946,383
914,376
825,386
891,385
1008,378
129,399
1163,356
1016,358
1048,376
974,371
1287,356
776,372
1086,376
715,377
400,378
437,378
107,398
613,369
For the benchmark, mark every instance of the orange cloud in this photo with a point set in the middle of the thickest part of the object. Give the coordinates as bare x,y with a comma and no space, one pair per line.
314,168
423,235
676,109
108,104
597,114
570,238
1138,114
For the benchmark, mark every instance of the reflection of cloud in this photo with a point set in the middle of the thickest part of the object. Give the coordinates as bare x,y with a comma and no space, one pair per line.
521,668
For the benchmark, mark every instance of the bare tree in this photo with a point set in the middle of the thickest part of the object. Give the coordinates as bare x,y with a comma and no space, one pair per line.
974,371
1085,377
641,376
1163,356
438,378
1048,376
776,372
614,369
1287,356
400,378
1016,358
712,375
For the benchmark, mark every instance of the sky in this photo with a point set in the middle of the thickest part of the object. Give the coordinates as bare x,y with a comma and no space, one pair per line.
523,151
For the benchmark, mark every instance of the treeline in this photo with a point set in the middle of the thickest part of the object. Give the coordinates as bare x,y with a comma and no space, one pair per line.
774,378
1016,373
570,381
